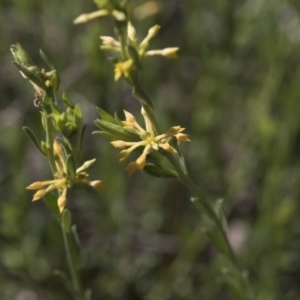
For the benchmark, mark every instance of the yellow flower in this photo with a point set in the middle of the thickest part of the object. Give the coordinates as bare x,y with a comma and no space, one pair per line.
83,18
167,52
62,182
123,69
149,141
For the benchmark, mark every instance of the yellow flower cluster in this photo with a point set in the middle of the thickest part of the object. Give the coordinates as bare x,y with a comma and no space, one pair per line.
62,181
149,141
124,68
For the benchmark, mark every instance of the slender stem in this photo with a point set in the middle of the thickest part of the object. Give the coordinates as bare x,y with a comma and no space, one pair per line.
199,199
71,263
77,289
201,202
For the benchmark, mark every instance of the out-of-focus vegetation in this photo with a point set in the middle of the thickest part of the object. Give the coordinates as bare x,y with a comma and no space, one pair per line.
236,89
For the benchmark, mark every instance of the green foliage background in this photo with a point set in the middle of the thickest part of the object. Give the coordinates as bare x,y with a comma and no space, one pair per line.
236,89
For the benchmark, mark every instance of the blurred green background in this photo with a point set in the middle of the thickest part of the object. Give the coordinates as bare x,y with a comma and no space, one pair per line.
236,89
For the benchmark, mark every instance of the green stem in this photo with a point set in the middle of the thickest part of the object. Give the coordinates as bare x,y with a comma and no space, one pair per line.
77,289
199,199
201,203
49,140
71,264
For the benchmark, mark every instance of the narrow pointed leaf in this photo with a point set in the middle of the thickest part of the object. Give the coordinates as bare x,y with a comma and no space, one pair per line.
31,76
106,116
67,100
80,141
217,241
71,167
67,220
46,60
51,202
141,95
118,131
156,171
218,206
34,140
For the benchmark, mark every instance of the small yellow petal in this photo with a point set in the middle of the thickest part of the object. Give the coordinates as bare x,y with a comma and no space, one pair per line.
108,40
148,8
36,185
96,184
181,137
141,161
167,52
168,147
170,52
131,32
151,34
174,130
61,202
119,15
131,168
57,148
39,194
123,68
123,154
85,166
119,144
87,17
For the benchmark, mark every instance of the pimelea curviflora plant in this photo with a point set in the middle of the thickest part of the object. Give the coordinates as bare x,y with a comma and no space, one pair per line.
62,146
159,150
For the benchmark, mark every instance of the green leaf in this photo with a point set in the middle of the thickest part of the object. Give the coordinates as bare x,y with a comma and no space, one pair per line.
218,206
217,241
32,75
105,134
117,131
46,60
66,220
71,168
156,171
51,202
141,95
106,116
34,140
67,100
55,109
134,56
80,141
20,55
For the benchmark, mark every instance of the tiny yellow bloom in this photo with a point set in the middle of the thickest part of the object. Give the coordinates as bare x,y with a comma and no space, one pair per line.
62,182
167,52
123,68
83,18
149,141
131,32
151,34
108,40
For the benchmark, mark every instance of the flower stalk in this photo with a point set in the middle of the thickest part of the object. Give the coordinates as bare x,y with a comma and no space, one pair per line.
62,148
131,54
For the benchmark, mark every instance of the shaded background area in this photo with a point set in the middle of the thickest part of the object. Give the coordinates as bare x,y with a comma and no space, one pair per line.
236,89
